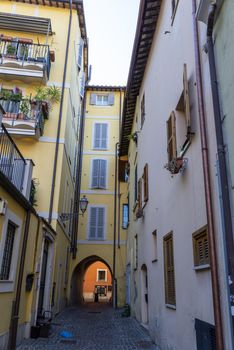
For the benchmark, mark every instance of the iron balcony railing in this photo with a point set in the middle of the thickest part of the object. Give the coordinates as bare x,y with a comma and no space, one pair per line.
12,163
24,52
15,113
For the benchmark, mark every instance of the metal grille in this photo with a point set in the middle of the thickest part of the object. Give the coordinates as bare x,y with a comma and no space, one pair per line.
205,332
12,163
8,250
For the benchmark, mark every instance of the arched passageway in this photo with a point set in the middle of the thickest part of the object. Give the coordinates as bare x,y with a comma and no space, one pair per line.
91,276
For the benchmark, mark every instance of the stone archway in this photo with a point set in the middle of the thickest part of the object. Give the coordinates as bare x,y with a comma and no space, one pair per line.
76,295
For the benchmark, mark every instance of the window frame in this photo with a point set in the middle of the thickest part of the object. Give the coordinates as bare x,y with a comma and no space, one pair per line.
143,110
173,10
170,301
171,137
145,178
102,104
8,285
155,246
135,252
102,280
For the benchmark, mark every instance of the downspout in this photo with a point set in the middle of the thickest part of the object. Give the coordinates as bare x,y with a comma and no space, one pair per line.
225,199
119,194
114,238
16,303
207,185
78,180
60,118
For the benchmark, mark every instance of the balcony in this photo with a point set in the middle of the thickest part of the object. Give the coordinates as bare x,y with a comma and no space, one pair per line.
23,60
12,163
24,117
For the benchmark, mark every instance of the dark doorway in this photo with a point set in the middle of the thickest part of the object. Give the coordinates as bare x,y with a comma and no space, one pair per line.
43,278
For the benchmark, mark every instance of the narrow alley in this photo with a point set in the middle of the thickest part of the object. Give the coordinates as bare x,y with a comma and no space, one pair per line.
95,327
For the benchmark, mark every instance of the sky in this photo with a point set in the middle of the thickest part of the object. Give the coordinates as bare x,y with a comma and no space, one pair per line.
111,26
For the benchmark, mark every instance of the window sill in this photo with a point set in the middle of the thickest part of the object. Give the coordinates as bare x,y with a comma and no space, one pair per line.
170,306
6,286
155,260
100,149
202,267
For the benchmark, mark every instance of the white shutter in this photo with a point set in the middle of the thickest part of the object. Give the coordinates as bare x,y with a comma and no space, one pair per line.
111,99
102,173
95,173
104,136
93,98
80,52
82,84
100,226
97,135
93,222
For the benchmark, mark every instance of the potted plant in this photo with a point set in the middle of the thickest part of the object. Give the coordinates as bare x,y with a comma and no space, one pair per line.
133,137
175,165
54,94
23,51
11,51
24,109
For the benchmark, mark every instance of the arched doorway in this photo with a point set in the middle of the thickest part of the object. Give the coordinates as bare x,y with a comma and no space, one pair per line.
92,274
144,295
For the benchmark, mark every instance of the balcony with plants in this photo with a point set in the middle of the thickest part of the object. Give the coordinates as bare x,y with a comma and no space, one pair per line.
26,116
24,60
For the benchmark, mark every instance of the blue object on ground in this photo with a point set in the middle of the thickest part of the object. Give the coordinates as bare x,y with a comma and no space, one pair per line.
65,334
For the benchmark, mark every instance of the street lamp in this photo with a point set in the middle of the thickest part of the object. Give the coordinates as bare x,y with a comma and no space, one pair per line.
83,207
83,204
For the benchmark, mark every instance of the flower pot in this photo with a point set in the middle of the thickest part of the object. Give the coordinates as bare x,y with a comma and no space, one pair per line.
20,115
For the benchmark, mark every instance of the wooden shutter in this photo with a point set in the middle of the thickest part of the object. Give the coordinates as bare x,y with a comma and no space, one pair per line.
135,185
187,101
102,173
201,247
111,99
95,173
93,98
139,194
171,137
103,136
93,222
170,296
100,222
80,52
146,183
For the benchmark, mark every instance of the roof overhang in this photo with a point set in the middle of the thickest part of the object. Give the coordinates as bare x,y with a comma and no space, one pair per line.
54,3
28,24
146,26
105,88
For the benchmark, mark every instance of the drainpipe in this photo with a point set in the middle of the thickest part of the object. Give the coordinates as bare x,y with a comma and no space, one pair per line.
207,185
16,303
60,118
75,224
119,194
225,199
115,224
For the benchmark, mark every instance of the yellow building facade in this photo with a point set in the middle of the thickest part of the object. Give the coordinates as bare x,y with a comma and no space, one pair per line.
43,71
106,218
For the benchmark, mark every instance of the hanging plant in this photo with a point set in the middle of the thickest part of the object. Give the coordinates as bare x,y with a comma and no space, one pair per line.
54,94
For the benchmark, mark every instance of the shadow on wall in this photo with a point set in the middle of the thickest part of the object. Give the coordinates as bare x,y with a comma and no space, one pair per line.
77,280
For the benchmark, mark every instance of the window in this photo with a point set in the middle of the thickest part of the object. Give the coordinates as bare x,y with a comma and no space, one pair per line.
135,185
99,168
102,99
201,248
125,216
139,197
101,275
100,136
97,223
82,85
146,183
135,262
80,52
171,137
142,110
8,251
169,271
154,246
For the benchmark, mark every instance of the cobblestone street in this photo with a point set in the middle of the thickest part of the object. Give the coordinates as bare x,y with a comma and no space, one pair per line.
95,327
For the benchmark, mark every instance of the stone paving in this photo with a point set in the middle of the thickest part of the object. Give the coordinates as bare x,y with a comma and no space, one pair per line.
95,327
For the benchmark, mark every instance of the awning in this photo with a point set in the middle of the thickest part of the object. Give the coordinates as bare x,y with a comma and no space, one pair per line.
27,24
